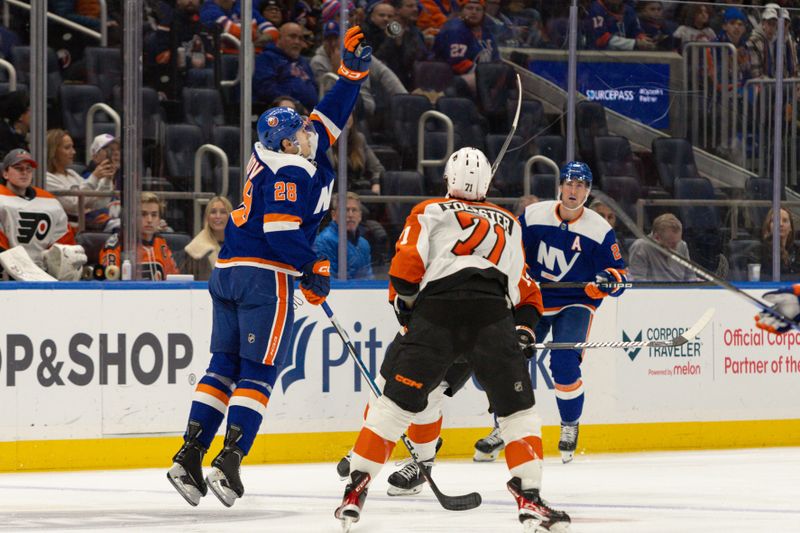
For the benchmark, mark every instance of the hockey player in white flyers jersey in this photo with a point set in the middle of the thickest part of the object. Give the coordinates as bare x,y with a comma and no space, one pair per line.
459,283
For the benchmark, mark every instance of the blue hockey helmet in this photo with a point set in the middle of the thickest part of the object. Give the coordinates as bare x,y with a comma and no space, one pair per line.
575,170
277,124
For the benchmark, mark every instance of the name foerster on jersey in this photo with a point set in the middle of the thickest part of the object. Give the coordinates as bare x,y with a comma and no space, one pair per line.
32,224
494,215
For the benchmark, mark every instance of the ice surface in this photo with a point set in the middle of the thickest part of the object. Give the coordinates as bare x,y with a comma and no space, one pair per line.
699,491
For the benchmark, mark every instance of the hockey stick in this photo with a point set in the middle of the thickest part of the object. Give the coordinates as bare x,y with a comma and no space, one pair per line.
627,284
463,502
687,263
502,151
680,340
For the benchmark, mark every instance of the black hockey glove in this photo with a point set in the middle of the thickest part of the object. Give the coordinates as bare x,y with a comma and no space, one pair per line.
527,341
402,311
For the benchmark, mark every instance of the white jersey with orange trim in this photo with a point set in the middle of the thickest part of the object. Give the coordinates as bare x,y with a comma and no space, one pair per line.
36,222
445,239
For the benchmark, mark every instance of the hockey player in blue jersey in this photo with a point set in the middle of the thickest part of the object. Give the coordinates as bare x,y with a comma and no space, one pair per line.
566,242
268,242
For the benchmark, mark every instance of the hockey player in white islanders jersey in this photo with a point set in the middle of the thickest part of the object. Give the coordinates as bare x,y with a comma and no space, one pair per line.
459,283
268,242
566,242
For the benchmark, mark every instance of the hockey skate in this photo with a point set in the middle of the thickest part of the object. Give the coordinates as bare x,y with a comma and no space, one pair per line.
355,493
534,513
343,466
568,441
186,474
224,479
409,480
488,448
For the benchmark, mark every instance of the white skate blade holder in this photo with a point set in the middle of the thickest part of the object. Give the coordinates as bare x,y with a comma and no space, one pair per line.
347,523
397,491
534,526
566,457
218,484
480,457
190,493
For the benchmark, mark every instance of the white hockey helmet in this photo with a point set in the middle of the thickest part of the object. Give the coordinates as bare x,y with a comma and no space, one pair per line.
468,174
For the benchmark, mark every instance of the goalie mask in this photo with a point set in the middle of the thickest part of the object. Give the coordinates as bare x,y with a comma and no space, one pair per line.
468,174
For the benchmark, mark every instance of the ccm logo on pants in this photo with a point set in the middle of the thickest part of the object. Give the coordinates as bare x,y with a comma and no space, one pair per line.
406,381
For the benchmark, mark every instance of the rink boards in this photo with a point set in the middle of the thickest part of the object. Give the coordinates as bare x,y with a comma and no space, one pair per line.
103,378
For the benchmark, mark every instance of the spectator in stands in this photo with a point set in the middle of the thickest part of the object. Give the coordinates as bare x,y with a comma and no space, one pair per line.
611,217
154,257
60,155
83,12
466,40
606,212
655,26
364,171
615,27
15,112
734,28
501,26
526,24
178,43
523,202
359,256
648,264
105,147
695,26
292,103
401,51
433,14
225,16
23,209
272,11
379,15
201,253
789,250
280,69
326,60
330,12
761,46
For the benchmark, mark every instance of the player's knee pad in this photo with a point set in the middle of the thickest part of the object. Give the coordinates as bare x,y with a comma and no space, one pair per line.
258,372
521,424
387,419
565,366
433,411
